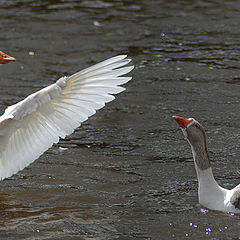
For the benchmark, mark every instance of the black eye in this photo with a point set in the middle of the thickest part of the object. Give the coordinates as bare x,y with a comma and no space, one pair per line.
196,125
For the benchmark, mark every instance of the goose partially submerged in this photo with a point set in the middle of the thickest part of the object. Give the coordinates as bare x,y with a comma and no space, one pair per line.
30,127
210,194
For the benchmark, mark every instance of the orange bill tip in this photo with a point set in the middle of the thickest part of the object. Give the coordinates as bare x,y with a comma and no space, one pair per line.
4,58
183,122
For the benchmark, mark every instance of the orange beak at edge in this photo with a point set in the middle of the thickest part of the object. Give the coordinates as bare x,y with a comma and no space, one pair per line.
182,122
4,58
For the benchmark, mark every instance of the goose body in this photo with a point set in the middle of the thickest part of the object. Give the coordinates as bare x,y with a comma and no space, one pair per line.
30,127
210,194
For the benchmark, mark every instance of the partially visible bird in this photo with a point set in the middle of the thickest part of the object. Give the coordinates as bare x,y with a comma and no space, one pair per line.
210,194
4,58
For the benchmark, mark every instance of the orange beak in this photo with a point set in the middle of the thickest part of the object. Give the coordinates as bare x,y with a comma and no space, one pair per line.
4,58
183,122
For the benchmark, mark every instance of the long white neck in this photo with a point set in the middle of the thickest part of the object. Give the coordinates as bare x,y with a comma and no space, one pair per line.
210,194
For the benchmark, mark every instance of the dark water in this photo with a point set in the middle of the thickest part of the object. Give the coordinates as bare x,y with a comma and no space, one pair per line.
127,173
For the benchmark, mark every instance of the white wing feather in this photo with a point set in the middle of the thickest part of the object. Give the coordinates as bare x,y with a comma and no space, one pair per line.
30,127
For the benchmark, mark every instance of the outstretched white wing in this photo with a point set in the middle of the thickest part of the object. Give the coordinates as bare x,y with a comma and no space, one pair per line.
30,127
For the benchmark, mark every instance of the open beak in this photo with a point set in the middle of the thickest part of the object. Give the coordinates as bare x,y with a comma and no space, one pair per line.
4,58
183,122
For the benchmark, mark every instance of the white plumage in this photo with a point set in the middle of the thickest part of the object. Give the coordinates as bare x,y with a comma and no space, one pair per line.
30,127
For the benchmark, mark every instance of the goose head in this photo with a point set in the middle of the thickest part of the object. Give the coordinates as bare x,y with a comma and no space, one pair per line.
192,130
195,134
4,58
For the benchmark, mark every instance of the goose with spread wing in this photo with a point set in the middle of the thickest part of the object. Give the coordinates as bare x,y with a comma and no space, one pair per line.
210,194
30,127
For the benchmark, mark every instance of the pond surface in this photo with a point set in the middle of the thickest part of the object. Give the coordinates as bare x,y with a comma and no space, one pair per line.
127,173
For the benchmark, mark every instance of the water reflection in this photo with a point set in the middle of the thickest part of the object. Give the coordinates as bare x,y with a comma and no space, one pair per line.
20,221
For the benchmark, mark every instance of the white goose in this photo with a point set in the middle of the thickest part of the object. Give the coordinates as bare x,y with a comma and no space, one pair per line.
210,194
30,127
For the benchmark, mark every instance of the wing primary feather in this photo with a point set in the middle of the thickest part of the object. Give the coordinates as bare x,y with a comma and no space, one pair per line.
45,116
102,90
101,64
102,81
98,98
69,111
80,111
86,101
80,106
104,73
46,126
67,123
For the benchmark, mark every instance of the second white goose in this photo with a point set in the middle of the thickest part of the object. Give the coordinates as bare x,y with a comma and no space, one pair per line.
210,194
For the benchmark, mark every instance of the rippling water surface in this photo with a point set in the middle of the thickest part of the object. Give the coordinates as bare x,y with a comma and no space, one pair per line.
127,173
